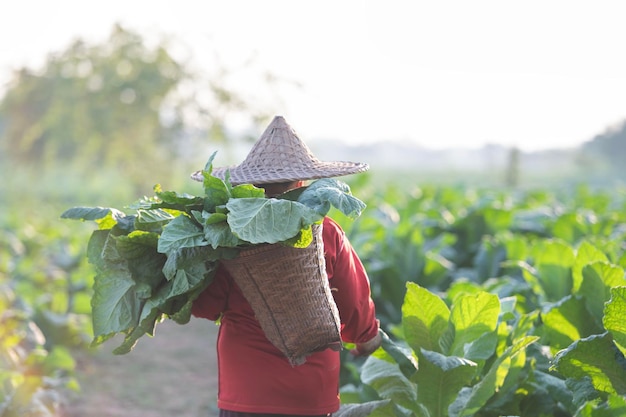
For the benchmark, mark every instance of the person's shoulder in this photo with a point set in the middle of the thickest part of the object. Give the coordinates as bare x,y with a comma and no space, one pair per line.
333,236
332,229
329,223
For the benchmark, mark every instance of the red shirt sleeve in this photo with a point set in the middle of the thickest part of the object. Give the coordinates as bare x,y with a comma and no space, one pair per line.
214,299
350,286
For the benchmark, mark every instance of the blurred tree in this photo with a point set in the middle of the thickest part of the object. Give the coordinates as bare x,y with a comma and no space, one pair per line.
610,146
117,104
94,106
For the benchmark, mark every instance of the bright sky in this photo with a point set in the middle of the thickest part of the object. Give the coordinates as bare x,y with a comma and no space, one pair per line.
534,74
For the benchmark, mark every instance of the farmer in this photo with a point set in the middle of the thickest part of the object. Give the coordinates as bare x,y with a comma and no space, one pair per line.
254,376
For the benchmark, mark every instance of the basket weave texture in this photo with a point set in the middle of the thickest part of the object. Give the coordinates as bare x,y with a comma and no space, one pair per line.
289,293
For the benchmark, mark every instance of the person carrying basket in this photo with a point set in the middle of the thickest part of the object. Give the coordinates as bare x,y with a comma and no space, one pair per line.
254,375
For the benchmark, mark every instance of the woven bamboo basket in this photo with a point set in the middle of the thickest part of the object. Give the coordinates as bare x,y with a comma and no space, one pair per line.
289,293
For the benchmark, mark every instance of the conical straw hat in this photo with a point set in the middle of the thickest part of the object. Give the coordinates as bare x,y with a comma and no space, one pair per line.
281,156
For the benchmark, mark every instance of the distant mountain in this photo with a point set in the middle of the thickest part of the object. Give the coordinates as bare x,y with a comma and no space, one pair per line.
410,156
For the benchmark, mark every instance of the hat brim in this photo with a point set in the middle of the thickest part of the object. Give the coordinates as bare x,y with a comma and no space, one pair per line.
242,174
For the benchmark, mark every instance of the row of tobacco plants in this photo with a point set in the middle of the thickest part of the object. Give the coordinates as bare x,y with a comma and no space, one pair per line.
45,285
493,303
44,309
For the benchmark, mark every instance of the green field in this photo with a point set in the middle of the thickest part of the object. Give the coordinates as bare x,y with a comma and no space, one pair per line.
498,275
496,301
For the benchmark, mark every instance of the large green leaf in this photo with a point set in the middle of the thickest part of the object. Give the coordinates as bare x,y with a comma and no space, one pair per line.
549,389
95,246
598,279
364,409
516,246
498,218
553,262
216,191
137,244
147,273
143,261
115,307
470,400
183,314
145,326
387,379
586,254
327,192
436,268
401,355
123,285
531,278
582,390
220,235
247,191
518,367
424,318
182,232
488,260
91,213
440,378
615,316
614,406
192,270
570,227
473,320
192,276
567,321
152,219
175,200
525,324
118,294
171,200
595,357
259,220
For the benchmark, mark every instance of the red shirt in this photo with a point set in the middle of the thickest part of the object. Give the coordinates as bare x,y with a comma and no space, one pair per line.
254,376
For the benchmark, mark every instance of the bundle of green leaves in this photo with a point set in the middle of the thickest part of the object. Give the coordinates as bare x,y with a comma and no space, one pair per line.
153,263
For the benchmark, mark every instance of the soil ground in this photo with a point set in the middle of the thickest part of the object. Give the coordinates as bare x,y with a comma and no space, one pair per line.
173,373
